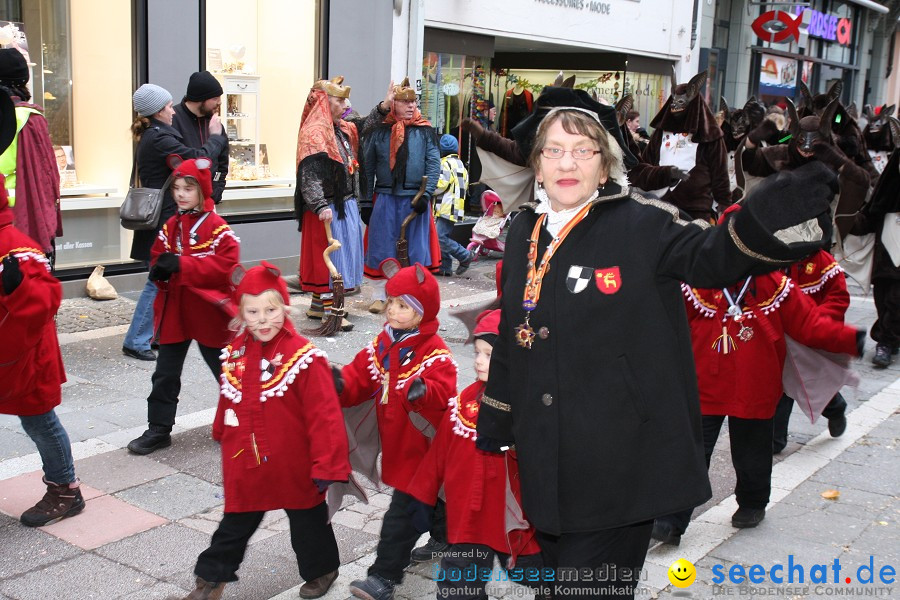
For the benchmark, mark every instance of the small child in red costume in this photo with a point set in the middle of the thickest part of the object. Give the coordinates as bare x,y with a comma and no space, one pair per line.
282,435
478,486
738,338
190,262
408,373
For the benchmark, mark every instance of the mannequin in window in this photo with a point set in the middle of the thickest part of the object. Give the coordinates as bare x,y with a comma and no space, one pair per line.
517,105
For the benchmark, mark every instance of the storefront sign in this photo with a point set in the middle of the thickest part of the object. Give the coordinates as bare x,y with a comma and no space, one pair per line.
829,27
602,8
776,26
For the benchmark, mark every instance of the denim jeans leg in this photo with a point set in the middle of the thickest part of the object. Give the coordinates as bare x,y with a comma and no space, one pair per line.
53,445
140,331
444,229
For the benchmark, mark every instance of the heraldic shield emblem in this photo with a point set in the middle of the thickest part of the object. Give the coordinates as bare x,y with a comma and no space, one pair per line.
608,280
578,278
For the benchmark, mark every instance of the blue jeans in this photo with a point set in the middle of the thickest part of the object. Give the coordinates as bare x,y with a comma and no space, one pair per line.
450,248
140,331
53,445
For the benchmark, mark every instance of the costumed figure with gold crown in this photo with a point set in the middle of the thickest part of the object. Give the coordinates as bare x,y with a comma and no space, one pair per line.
401,150
327,191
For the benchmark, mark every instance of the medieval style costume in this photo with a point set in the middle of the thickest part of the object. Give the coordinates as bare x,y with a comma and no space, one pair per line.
190,262
283,441
687,137
398,154
328,178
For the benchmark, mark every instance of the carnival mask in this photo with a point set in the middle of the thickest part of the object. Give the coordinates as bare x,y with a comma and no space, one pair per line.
684,94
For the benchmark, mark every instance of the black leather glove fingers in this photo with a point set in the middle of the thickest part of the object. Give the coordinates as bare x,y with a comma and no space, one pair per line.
338,379
677,175
764,131
487,444
421,515
860,342
169,262
416,389
12,274
421,204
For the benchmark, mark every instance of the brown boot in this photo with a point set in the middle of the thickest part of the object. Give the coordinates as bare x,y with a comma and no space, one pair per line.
59,502
318,586
206,590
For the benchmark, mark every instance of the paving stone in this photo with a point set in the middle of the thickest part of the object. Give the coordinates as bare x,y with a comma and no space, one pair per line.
804,523
119,470
98,577
26,548
159,552
879,481
175,496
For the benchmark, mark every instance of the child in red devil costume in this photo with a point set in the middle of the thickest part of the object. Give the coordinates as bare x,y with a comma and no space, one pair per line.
282,435
31,366
409,373
190,262
737,336
481,521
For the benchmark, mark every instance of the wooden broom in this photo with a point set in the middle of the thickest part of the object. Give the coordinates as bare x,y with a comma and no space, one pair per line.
402,242
331,324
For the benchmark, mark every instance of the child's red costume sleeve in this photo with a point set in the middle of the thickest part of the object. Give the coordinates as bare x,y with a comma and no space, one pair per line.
359,381
429,478
328,448
810,326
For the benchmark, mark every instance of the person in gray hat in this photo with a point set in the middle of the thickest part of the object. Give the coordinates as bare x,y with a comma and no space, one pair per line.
157,139
201,101
29,163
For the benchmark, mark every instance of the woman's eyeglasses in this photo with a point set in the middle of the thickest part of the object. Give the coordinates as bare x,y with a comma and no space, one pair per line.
578,153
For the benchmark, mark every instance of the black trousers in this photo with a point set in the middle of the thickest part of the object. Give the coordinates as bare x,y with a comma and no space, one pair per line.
596,564
312,539
886,330
466,569
398,537
162,403
835,408
751,455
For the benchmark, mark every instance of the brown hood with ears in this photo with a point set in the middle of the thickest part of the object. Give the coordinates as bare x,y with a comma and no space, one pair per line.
814,105
695,116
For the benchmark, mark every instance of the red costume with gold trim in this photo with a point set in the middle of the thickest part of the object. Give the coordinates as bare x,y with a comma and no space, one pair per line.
193,304
476,484
31,366
821,278
383,370
745,382
287,431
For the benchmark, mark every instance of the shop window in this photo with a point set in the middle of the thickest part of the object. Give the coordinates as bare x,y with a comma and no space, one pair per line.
454,87
40,28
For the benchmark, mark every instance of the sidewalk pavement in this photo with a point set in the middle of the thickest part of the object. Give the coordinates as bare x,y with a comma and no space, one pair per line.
148,517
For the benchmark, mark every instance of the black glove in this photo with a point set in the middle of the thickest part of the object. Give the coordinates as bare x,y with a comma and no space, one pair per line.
830,155
338,377
421,515
421,205
473,128
416,389
12,274
322,484
763,132
486,444
167,264
860,342
677,175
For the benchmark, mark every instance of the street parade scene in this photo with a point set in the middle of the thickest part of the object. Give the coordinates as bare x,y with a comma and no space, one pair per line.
442,299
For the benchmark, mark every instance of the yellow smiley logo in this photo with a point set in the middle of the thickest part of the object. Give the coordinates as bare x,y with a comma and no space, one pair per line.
682,573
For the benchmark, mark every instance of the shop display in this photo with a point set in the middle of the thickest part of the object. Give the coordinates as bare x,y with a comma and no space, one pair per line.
241,106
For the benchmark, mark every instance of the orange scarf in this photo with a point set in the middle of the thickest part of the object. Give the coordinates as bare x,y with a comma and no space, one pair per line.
316,133
398,130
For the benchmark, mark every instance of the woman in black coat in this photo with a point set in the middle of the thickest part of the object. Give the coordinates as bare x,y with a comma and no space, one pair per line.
157,139
592,376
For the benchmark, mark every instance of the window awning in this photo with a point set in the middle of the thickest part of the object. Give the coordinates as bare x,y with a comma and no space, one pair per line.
872,6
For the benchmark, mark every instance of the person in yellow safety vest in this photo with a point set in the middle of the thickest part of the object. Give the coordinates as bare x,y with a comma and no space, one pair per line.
29,163
450,205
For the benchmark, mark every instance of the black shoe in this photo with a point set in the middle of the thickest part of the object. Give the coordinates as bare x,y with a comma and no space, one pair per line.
837,426
778,446
373,587
139,354
465,264
744,518
431,551
444,273
665,533
149,441
883,357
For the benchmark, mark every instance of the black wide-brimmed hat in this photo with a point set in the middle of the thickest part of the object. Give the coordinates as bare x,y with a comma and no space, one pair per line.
558,97
7,121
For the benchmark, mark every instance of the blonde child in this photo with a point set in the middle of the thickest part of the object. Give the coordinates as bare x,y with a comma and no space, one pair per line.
282,435
409,373
190,262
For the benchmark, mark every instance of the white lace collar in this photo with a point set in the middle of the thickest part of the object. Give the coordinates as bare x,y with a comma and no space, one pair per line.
556,220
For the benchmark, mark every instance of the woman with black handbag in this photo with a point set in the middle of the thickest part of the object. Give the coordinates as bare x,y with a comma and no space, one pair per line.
156,140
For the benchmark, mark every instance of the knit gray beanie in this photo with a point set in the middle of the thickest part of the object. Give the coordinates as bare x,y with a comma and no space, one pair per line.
149,99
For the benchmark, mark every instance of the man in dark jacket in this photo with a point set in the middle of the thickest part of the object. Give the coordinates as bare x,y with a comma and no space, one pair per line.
398,152
200,103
